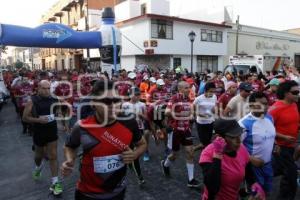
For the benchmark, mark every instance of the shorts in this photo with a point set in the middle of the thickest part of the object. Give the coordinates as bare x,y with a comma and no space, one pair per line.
42,138
264,176
177,138
146,125
159,123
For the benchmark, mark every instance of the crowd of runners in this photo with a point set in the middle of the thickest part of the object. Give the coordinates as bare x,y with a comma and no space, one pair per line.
247,126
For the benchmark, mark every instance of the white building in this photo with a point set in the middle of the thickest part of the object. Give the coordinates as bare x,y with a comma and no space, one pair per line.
277,47
29,56
151,37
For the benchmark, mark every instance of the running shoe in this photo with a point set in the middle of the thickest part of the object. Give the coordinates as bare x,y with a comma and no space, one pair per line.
193,183
56,188
166,170
37,174
141,180
146,157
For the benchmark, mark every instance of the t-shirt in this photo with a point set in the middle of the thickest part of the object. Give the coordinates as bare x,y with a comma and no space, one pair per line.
224,99
219,87
257,86
181,111
102,171
259,136
272,97
239,107
204,106
232,174
286,120
135,109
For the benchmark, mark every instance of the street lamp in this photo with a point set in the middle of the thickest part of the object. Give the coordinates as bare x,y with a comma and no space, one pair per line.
87,28
192,36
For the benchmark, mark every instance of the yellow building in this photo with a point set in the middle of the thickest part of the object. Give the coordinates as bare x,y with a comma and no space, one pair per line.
75,14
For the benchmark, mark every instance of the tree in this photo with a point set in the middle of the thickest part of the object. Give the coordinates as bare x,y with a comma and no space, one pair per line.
3,49
19,64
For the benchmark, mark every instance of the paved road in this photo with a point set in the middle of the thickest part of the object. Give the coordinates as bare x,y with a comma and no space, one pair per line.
16,163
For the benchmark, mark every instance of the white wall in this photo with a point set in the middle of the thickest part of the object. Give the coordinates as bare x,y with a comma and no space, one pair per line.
128,62
127,9
137,32
181,43
159,7
95,18
258,41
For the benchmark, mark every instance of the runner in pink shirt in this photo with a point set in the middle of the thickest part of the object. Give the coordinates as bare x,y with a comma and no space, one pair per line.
224,164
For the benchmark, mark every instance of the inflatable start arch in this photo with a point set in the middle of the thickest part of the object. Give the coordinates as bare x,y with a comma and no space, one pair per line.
54,35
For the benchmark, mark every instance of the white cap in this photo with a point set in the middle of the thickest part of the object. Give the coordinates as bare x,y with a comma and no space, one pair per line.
146,77
132,75
160,82
153,80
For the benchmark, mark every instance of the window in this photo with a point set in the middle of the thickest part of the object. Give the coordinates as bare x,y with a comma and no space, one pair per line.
62,64
207,62
143,9
211,36
71,63
55,64
161,29
176,62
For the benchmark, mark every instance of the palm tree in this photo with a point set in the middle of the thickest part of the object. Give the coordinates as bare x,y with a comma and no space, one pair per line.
3,49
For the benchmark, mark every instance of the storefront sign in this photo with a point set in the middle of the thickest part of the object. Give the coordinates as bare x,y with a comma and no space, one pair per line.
269,46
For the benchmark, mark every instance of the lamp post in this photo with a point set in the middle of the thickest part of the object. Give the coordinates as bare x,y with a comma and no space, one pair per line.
87,28
192,36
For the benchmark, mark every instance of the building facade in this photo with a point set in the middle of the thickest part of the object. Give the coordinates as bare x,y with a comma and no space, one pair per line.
151,37
80,15
277,47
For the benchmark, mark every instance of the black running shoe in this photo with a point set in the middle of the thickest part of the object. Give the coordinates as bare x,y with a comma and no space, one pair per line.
194,184
166,170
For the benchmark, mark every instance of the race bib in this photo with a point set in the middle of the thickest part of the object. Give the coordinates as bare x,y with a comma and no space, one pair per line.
107,164
50,118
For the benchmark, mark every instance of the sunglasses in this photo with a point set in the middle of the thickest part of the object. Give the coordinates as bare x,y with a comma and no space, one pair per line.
295,92
108,101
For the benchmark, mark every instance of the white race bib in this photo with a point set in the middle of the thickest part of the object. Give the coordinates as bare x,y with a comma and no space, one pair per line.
51,118
107,164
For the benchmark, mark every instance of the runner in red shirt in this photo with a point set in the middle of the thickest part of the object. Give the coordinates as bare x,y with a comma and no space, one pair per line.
220,87
179,112
23,92
257,85
158,99
105,140
225,97
64,93
286,120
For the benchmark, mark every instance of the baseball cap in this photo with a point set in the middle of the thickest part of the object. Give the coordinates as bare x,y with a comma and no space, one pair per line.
153,80
132,75
274,81
230,84
227,128
245,86
160,82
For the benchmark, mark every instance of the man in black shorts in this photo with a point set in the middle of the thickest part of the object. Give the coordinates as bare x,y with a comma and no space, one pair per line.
106,140
179,112
39,112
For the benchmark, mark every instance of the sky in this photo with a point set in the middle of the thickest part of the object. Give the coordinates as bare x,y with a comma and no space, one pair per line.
272,14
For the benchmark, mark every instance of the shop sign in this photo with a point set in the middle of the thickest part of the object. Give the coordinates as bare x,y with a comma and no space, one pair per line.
268,46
